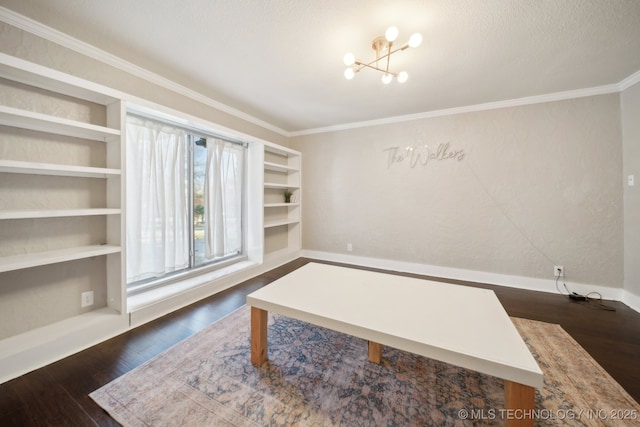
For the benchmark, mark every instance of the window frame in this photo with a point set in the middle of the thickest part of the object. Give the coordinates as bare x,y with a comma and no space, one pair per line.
194,133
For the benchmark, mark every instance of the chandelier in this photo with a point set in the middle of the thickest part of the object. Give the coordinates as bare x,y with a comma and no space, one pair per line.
384,47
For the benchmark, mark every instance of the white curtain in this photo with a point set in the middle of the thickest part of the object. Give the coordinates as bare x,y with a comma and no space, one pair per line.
156,214
223,198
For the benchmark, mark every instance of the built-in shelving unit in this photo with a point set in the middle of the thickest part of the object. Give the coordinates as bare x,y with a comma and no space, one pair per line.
56,212
282,220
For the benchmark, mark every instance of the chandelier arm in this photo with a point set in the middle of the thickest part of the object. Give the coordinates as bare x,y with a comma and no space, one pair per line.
403,47
363,65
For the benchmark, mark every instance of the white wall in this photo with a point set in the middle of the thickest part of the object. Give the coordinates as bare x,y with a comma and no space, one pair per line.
630,100
538,185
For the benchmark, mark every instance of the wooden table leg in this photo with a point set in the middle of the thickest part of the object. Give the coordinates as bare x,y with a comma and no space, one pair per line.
258,336
375,352
519,403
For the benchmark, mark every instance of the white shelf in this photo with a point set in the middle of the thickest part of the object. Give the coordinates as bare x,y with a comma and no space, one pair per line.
29,73
41,122
56,213
280,205
280,150
277,186
38,347
36,259
54,331
280,222
279,168
15,166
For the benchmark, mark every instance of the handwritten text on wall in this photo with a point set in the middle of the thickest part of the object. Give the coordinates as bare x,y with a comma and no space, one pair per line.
422,155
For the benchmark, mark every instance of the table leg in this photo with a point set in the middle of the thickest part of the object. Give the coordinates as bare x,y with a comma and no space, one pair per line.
519,402
258,336
375,352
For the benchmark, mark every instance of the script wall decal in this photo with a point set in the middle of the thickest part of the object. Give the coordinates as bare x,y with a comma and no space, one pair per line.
422,155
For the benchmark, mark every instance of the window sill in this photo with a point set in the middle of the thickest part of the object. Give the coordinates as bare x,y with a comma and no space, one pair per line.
157,294
181,275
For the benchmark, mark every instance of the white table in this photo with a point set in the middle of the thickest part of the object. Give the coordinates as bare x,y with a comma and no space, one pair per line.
461,325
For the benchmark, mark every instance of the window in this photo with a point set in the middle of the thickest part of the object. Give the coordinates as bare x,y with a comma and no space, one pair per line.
185,199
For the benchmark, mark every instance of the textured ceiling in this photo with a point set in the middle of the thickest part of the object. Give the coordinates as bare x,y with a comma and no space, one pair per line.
281,60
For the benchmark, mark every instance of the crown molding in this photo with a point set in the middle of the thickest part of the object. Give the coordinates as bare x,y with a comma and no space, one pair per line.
43,31
529,100
629,81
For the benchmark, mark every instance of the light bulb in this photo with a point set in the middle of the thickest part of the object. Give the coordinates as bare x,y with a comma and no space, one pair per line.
391,34
349,59
349,73
386,78
403,76
415,40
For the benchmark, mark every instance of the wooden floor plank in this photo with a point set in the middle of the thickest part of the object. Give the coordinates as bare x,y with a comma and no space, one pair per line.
58,394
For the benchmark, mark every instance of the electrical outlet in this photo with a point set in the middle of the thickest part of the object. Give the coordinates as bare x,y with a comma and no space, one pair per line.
558,271
349,247
86,299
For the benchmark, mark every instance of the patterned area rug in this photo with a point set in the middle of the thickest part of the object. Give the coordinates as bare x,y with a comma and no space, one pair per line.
318,377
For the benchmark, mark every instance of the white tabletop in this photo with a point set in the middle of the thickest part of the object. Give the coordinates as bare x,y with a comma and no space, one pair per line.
461,325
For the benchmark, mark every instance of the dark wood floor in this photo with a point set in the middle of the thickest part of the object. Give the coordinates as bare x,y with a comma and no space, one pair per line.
57,394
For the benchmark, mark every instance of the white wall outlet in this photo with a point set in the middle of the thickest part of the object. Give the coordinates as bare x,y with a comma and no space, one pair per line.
349,247
631,180
86,299
558,271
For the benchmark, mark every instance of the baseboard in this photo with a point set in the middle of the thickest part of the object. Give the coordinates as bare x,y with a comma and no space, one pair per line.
39,347
632,300
519,282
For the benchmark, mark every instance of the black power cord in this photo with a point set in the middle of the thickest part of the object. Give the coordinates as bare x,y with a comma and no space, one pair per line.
590,297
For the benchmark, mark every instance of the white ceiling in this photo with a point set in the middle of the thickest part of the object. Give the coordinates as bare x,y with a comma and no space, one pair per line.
281,60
